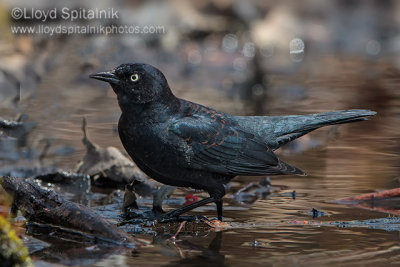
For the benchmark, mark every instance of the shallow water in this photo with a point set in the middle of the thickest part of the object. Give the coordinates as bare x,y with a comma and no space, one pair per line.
340,162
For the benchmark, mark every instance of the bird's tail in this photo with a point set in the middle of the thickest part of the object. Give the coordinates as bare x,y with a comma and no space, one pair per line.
295,126
279,130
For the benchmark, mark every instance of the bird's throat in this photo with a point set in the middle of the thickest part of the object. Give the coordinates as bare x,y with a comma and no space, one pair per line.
154,111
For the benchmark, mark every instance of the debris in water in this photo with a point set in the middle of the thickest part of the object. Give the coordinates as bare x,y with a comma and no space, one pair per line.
129,199
46,207
109,167
395,192
252,191
255,243
62,177
164,192
190,198
316,213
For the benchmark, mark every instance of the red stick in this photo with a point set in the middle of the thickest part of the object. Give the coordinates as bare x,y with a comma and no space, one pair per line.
372,196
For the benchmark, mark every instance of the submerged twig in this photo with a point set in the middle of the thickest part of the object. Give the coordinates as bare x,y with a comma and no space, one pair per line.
391,193
46,207
178,231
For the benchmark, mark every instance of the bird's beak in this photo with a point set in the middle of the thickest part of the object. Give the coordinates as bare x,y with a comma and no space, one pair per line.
106,76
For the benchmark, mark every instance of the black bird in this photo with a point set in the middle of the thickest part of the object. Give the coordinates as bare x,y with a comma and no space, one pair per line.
181,143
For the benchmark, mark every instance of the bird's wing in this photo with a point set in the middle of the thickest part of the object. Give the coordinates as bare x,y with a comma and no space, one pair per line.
211,144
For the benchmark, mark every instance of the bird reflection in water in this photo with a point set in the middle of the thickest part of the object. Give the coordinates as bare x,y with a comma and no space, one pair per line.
192,254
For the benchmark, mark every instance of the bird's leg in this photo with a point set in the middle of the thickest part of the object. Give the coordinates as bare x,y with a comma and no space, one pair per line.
217,191
177,212
219,204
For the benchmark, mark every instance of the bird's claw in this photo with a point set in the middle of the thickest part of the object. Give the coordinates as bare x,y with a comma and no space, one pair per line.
177,218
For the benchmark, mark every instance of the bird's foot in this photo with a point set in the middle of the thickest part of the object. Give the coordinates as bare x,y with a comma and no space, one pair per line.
221,219
166,218
217,224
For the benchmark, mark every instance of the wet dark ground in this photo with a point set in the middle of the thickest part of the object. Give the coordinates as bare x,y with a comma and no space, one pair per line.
277,231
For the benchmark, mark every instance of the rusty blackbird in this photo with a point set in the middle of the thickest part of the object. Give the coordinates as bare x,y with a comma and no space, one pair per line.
181,143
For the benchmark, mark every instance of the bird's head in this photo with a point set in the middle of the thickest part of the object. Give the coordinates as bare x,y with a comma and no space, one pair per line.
136,83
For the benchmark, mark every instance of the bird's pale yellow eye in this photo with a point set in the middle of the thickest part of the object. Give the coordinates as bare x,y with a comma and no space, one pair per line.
134,77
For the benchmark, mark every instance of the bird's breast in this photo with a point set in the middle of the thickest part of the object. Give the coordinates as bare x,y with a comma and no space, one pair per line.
148,143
